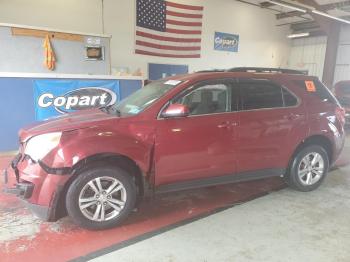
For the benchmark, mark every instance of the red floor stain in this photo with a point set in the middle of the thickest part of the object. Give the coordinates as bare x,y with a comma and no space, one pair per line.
62,240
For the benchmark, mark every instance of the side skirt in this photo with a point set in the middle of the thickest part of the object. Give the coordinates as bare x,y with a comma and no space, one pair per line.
220,180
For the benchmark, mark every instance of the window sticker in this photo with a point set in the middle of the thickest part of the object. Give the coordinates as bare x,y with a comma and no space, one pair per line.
310,86
172,82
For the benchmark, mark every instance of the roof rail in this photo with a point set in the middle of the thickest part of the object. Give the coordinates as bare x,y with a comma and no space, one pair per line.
211,71
267,70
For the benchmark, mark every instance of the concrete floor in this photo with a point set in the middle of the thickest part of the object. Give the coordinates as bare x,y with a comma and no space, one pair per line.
282,226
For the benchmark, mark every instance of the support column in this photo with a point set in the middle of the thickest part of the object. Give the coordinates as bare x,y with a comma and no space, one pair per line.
331,54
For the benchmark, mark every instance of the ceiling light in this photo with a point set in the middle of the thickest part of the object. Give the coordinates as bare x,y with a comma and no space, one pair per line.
298,35
287,6
331,17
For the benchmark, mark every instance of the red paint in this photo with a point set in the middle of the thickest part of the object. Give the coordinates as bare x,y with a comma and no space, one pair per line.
185,148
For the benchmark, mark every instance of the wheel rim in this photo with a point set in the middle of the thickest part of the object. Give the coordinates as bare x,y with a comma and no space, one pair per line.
102,198
311,169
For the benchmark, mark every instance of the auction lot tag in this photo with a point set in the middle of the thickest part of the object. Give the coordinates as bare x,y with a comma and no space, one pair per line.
310,86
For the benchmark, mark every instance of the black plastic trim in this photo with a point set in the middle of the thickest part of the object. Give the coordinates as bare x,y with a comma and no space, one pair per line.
220,180
55,171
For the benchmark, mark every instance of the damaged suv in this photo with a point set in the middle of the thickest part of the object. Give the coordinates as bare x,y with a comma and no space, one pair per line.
184,132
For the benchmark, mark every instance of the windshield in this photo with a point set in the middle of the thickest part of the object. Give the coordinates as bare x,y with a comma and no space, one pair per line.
142,98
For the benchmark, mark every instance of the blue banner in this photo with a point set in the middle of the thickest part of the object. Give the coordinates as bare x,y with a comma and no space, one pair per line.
56,97
226,42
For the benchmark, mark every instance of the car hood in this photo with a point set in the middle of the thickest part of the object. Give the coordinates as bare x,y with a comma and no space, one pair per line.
72,121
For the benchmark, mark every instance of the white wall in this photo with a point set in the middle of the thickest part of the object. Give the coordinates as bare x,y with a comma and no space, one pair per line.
261,42
308,54
73,15
342,69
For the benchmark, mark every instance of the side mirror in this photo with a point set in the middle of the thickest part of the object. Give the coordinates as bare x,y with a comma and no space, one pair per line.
176,110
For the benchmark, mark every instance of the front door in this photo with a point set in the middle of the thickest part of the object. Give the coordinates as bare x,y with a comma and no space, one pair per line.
202,144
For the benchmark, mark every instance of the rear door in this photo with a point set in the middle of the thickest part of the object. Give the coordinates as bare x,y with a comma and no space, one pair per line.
272,120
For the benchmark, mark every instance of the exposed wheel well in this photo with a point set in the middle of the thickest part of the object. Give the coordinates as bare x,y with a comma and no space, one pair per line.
317,140
101,160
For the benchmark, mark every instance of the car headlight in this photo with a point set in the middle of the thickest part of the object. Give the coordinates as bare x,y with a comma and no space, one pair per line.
39,146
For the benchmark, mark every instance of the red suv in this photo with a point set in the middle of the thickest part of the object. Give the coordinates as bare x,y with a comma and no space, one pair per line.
184,132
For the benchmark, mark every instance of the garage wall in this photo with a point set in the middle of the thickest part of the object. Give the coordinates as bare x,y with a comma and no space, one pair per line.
71,15
20,53
308,54
261,42
342,70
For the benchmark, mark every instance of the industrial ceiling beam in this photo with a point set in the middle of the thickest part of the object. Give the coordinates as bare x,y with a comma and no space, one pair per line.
332,6
323,8
288,14
304,26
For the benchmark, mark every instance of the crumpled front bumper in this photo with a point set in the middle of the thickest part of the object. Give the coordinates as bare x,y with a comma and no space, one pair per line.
39,190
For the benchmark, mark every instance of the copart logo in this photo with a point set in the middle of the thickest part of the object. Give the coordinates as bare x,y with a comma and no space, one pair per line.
226,42
79,99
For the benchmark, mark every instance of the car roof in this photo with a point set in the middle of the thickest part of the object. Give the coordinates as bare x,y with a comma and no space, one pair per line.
207,75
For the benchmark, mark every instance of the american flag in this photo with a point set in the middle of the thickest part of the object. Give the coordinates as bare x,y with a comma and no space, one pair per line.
168,29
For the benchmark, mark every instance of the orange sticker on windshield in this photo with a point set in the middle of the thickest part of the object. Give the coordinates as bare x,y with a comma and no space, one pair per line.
310,86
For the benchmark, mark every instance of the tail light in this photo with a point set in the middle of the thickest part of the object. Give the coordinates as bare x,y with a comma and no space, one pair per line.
340,113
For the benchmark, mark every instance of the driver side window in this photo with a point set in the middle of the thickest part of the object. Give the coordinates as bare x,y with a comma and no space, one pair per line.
207,99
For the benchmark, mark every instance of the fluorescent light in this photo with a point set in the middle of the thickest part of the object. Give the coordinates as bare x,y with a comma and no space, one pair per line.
288,6
298,35
331,17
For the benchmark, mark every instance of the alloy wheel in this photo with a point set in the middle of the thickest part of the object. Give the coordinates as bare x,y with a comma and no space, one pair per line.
311,169
102,198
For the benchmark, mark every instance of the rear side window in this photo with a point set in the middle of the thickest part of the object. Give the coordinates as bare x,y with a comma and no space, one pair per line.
316,88
289,99
259,95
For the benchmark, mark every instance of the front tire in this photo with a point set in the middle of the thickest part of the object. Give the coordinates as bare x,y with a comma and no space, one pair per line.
308,169
101,198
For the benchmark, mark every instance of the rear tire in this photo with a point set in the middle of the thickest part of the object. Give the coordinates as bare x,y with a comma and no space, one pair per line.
101,197
308,169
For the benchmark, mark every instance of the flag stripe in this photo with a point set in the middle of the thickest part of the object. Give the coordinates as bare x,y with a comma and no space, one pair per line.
159,42
178,14
183,23
180,27
169,52
142,52
182,6
168,47
185,32
166,38
184,19
184,11
166,34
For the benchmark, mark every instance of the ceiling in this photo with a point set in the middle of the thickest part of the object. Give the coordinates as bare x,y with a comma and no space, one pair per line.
299,21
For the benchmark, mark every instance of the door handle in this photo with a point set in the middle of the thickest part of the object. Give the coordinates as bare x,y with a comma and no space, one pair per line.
292,117
224,125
